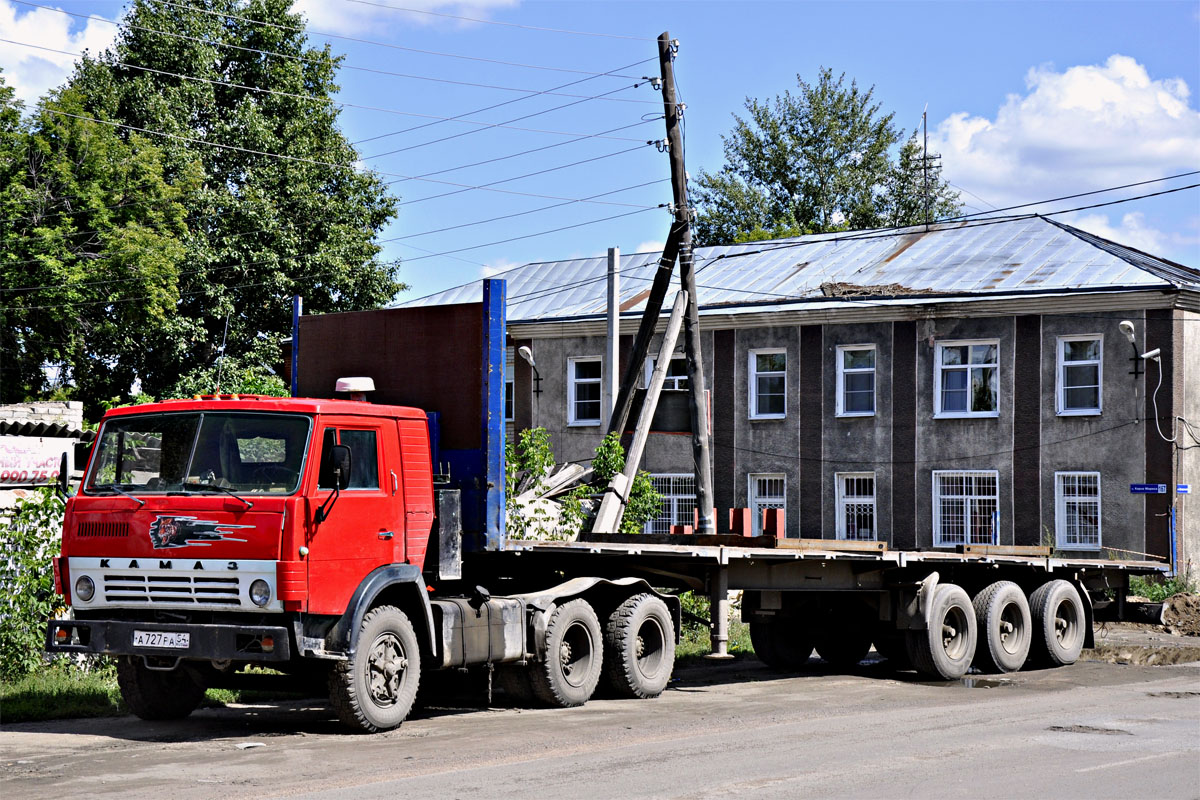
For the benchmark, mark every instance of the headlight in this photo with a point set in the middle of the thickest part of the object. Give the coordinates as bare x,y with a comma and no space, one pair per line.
260,592
85,588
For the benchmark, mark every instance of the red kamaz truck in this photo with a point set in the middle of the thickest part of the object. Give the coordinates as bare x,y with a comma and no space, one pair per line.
364,544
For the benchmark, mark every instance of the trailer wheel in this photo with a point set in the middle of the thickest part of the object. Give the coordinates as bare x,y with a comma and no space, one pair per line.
843,648
1002,613
890,645
574,656
154,694
1059,619
781,646
374,690
639,647
947,648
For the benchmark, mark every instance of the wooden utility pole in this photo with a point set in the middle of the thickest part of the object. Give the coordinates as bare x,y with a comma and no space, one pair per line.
687,277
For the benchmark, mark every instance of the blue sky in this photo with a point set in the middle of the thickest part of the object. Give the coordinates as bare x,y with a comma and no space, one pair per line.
1027,101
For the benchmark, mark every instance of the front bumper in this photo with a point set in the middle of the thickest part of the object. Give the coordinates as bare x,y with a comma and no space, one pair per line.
206,642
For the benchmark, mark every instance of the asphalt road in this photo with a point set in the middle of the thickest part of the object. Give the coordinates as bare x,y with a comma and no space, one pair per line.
1092,730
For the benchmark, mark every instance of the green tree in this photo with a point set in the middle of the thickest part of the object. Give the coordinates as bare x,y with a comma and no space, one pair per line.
235,84
815,161
90,249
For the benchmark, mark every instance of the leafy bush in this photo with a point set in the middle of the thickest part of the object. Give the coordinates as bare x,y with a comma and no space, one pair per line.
32,533
1158,590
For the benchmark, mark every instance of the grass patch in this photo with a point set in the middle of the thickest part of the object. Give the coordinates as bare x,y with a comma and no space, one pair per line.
1157,590
694,643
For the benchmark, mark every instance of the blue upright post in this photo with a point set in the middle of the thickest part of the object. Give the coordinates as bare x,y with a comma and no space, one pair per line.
493,409
297,309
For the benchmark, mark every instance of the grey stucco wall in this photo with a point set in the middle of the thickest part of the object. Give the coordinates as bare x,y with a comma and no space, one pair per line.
963,444
1187,506
1111,443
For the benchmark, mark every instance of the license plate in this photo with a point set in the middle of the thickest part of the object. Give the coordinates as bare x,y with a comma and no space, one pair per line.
172,639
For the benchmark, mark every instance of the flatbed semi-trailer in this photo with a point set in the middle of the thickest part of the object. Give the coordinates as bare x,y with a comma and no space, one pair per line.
363,544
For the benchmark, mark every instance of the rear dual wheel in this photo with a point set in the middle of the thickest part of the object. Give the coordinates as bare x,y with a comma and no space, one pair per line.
574,657
946,648
1059,623
1005,627
782,644
639,647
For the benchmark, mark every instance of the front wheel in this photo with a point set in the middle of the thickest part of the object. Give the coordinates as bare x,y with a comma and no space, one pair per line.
374,690
156,694
574,655
947,647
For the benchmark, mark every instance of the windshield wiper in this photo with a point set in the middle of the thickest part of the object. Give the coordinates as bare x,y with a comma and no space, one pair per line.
211,487
117,488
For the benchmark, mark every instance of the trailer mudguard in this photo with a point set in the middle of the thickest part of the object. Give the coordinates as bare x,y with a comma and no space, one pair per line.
403,583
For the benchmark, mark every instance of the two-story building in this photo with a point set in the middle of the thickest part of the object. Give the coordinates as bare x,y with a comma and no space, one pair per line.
975,382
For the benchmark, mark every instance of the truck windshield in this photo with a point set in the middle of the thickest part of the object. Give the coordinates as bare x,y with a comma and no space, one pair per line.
193,452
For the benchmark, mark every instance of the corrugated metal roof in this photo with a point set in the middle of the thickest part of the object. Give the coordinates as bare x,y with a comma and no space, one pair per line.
965,258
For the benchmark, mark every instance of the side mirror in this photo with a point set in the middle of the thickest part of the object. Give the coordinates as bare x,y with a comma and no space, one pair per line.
339,457
63,479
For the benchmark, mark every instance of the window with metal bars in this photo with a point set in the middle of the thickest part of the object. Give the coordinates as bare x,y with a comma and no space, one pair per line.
856,506
766,491
678,502
966,507
1077,510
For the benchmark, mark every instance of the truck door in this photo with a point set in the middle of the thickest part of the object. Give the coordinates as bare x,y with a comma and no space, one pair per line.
365,524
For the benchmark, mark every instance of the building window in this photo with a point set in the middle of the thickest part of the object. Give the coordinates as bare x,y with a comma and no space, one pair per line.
966,508
768,384
508,400
1080,365
856,380
677,374
1077,510
856,506
583,390
678,502
967,379
766,491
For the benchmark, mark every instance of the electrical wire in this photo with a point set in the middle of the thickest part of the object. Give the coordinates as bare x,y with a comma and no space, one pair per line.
317,162
505,24
477,59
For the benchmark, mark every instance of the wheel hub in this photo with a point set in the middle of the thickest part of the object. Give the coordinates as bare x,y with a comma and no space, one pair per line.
386,666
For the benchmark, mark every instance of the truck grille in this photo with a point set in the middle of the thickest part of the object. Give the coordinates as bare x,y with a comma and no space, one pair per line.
103,530
175,589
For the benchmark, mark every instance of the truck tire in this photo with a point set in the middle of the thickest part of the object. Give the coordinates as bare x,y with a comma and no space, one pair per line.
947,648
1058,619
891,646
374,690
843,648
1005,625
639,647
574,657
781,646
154,694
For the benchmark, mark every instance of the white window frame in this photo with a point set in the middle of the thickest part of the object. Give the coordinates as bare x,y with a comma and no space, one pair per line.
670,384
752,382
938,368
671,499
938,540
757,504
841,379
1060,511
843,500
572,420
1060,375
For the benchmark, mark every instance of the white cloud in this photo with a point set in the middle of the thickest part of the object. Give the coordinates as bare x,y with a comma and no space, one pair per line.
32,72
1132,230
653,246
353,18
1088,127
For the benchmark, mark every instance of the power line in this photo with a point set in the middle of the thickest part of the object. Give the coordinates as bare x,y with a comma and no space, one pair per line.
505,24
317,162
478,59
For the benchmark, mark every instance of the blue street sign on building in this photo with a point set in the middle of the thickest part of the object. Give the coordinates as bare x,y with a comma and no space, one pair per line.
1183,488
1147,488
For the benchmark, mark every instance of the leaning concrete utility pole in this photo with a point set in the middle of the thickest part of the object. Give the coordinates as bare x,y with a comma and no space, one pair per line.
672,111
